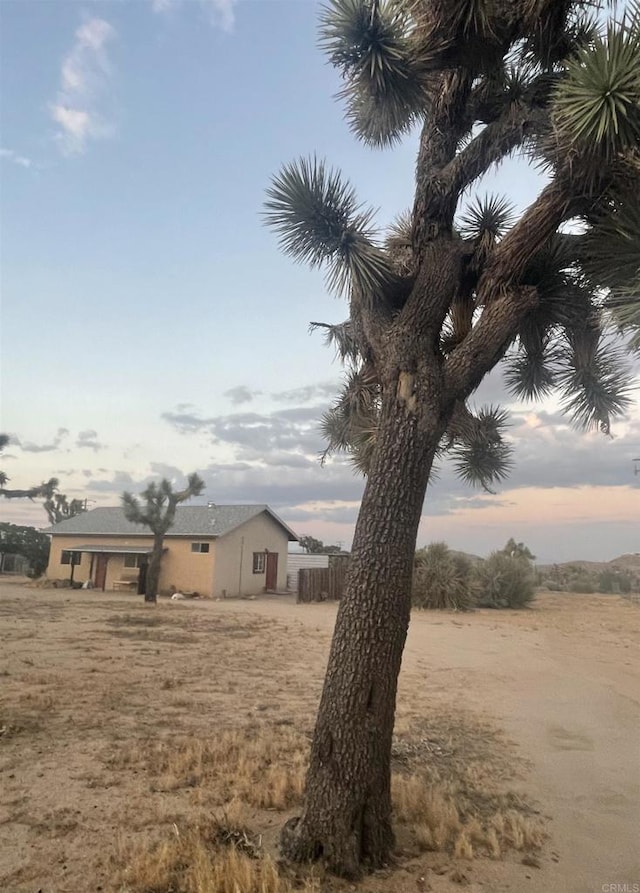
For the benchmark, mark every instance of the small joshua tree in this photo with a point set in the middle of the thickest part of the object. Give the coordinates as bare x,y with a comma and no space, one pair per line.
158,512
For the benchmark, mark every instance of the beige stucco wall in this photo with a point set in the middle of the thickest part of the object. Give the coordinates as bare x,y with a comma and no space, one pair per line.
184,569
57,571
181,568
233,577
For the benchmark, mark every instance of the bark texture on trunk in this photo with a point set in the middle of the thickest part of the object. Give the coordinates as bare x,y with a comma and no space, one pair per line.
346,820
153,571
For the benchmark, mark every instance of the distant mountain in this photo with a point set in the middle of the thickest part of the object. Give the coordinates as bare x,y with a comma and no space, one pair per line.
629,562
622,574
473,559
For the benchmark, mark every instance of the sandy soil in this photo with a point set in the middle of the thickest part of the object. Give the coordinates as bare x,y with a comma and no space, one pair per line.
545,703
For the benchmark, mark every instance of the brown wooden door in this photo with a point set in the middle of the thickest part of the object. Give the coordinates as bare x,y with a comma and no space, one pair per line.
101,571
271,581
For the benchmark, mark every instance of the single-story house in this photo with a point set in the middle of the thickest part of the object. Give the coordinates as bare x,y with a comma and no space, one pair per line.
215,550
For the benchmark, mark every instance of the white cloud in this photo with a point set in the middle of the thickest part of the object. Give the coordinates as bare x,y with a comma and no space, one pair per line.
76,123
220,13
94,34
79,108
15,158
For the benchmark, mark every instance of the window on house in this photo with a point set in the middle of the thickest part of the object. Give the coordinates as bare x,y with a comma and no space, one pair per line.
67,557
199,547
258,562
134,560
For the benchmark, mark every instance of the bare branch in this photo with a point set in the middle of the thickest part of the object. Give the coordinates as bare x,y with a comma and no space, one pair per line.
493,144
44,489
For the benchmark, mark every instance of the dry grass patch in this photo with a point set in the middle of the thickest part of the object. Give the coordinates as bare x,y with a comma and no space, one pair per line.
26,718
171,625
264,766
210,857
439,818
142,619
448,790
141,633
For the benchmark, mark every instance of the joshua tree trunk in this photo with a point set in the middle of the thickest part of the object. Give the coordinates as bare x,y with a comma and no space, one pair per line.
153,571
347,814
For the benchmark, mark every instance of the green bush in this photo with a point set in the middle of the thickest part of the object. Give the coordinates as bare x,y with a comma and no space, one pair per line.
552,585
504,581
608,582
626,583
582,584
441,579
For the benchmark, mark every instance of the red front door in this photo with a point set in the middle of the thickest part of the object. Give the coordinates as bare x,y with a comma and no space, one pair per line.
101,571
271,582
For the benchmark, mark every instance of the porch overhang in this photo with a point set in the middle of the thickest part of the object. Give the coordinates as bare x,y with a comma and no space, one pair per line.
113,550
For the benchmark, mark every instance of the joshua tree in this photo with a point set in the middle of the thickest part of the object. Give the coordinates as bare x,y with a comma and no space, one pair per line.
59,508
158,513
518,550
45,489
458,287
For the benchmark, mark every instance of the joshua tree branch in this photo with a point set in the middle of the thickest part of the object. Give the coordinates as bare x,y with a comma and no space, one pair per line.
491,145
505,302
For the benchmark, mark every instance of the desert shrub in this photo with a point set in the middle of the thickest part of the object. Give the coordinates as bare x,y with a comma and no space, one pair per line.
441,579
615,581
626,583
582,584
552,585
503,581
608,582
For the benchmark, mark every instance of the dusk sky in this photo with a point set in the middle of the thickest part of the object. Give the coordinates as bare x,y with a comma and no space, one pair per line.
150,325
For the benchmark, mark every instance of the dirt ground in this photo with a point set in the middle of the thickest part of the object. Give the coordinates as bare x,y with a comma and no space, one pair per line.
123,728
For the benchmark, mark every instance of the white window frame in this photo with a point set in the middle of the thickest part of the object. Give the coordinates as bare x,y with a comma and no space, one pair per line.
202,548
259,562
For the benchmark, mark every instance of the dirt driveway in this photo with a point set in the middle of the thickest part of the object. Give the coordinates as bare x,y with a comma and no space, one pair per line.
84,680
563,679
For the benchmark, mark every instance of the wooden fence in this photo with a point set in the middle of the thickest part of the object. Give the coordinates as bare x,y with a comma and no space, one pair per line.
321,584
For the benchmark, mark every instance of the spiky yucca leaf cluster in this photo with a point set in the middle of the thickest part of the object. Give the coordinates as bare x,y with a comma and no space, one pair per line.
615,234
351,423
484,222
481,456
594,388
596,108
561,30
341,337
320,221
486,218
531,374
562,335
370,41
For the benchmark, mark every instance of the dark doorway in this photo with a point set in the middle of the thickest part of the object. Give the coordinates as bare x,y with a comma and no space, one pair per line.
101,571
271,581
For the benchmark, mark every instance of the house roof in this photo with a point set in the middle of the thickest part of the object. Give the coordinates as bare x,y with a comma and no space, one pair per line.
191,520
